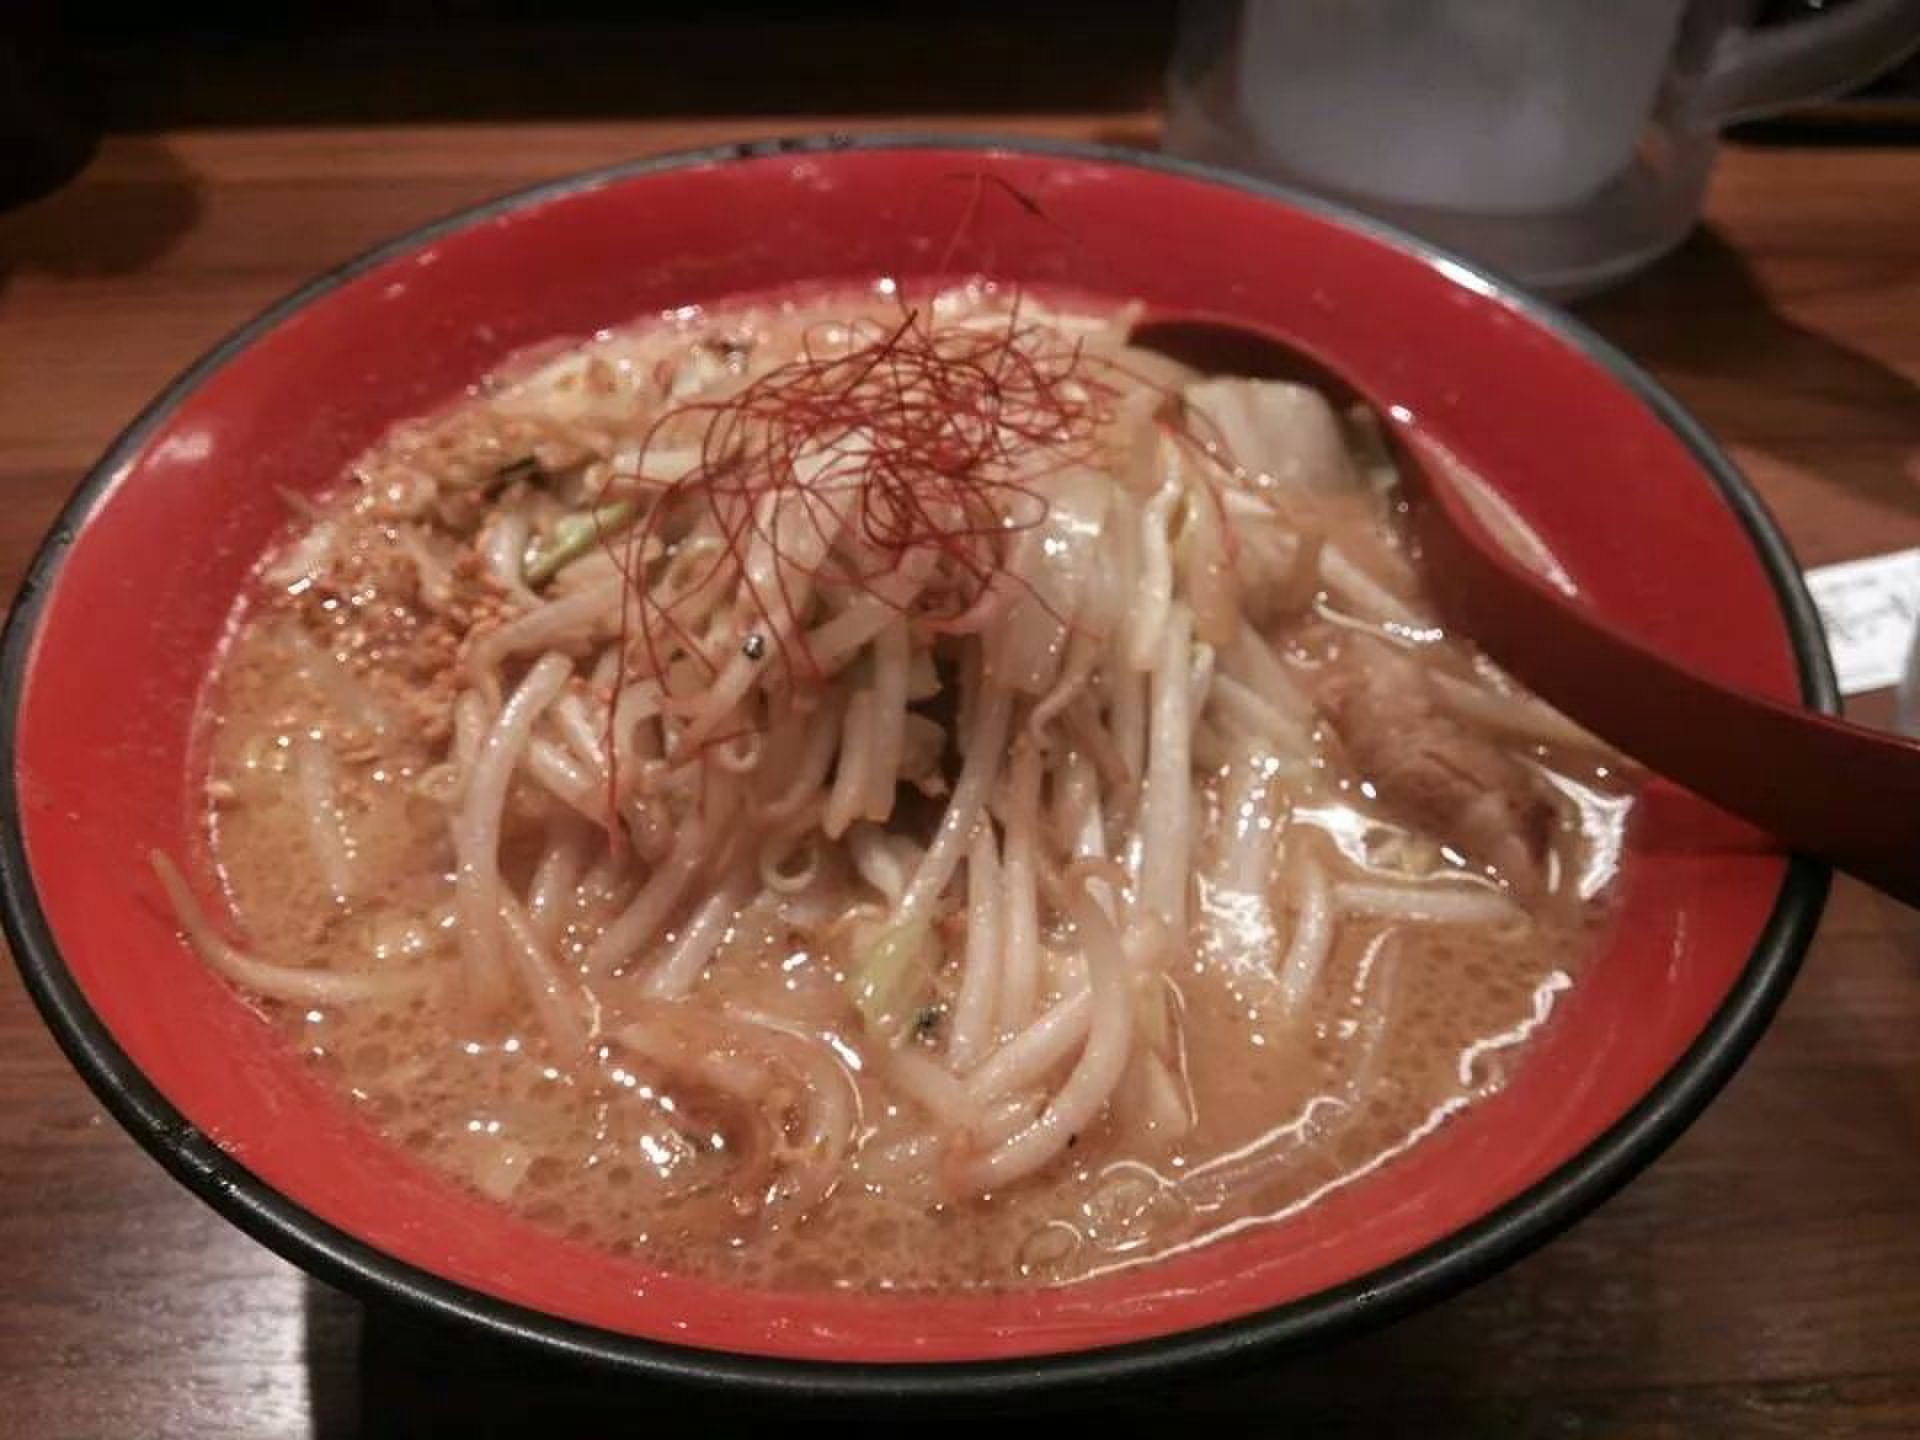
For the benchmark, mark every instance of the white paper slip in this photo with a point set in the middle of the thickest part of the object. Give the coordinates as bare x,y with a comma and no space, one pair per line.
1868,608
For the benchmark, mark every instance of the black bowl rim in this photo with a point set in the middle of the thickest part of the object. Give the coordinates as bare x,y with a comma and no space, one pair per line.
1449,1264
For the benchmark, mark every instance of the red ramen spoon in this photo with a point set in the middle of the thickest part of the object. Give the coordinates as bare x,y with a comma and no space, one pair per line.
1821,786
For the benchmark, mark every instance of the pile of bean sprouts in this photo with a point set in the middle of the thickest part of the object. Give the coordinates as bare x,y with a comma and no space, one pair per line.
937,638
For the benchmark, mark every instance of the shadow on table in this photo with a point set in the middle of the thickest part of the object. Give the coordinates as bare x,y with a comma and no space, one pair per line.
1703,321
104,223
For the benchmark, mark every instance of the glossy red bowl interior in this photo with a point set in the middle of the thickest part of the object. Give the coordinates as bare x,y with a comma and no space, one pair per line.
114,636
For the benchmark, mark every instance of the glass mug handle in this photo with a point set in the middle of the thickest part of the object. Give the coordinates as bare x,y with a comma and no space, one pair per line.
1756,71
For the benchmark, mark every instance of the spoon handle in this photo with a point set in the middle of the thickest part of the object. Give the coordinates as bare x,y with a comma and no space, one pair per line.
1822,786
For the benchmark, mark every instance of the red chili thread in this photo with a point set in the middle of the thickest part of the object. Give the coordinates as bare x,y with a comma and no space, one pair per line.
838,467
956,425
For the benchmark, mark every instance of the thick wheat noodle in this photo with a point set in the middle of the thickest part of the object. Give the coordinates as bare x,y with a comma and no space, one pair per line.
1199,678
503,546
1081,779
281,982
650,827
606,669
883,860
1075,795
987,606
647,912
1247,813
1165,825
1151,605
1081,729
788,573
602,884
776,871
739,753
1095,1074
886,719
1253,715
471,717
707,710
834,641
1127,721
1251,661
677,581
1214,747
1005,1116
677,1036
918,1156
561,1015
566,780
847,798
971,1024
716,705
584,738
1312,938
1083,650
985,742
932,1087
556,878
557,622
476,832
679,968
1169,1109
1020,915
1365,594
810,771
1030,1054
1376,1016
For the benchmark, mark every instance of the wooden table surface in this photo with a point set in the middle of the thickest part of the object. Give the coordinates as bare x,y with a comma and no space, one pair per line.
1763,1278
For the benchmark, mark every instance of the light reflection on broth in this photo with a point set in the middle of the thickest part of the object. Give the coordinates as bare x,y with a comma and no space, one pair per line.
829,795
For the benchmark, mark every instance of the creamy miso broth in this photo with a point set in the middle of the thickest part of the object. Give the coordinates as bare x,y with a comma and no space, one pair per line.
847,794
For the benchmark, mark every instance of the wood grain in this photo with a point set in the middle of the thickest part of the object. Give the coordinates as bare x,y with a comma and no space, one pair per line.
1762,1279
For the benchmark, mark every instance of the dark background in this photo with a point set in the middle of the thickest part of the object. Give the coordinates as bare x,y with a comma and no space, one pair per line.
368,61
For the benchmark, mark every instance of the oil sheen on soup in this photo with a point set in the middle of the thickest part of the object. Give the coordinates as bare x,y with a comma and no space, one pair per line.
844,792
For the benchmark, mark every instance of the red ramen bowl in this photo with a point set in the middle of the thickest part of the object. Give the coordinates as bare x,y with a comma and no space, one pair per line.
112,636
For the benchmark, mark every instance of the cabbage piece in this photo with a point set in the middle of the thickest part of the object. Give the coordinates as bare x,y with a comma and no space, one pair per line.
1279,433
1047,579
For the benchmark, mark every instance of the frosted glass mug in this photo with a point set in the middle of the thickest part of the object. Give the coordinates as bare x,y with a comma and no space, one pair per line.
1563,142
